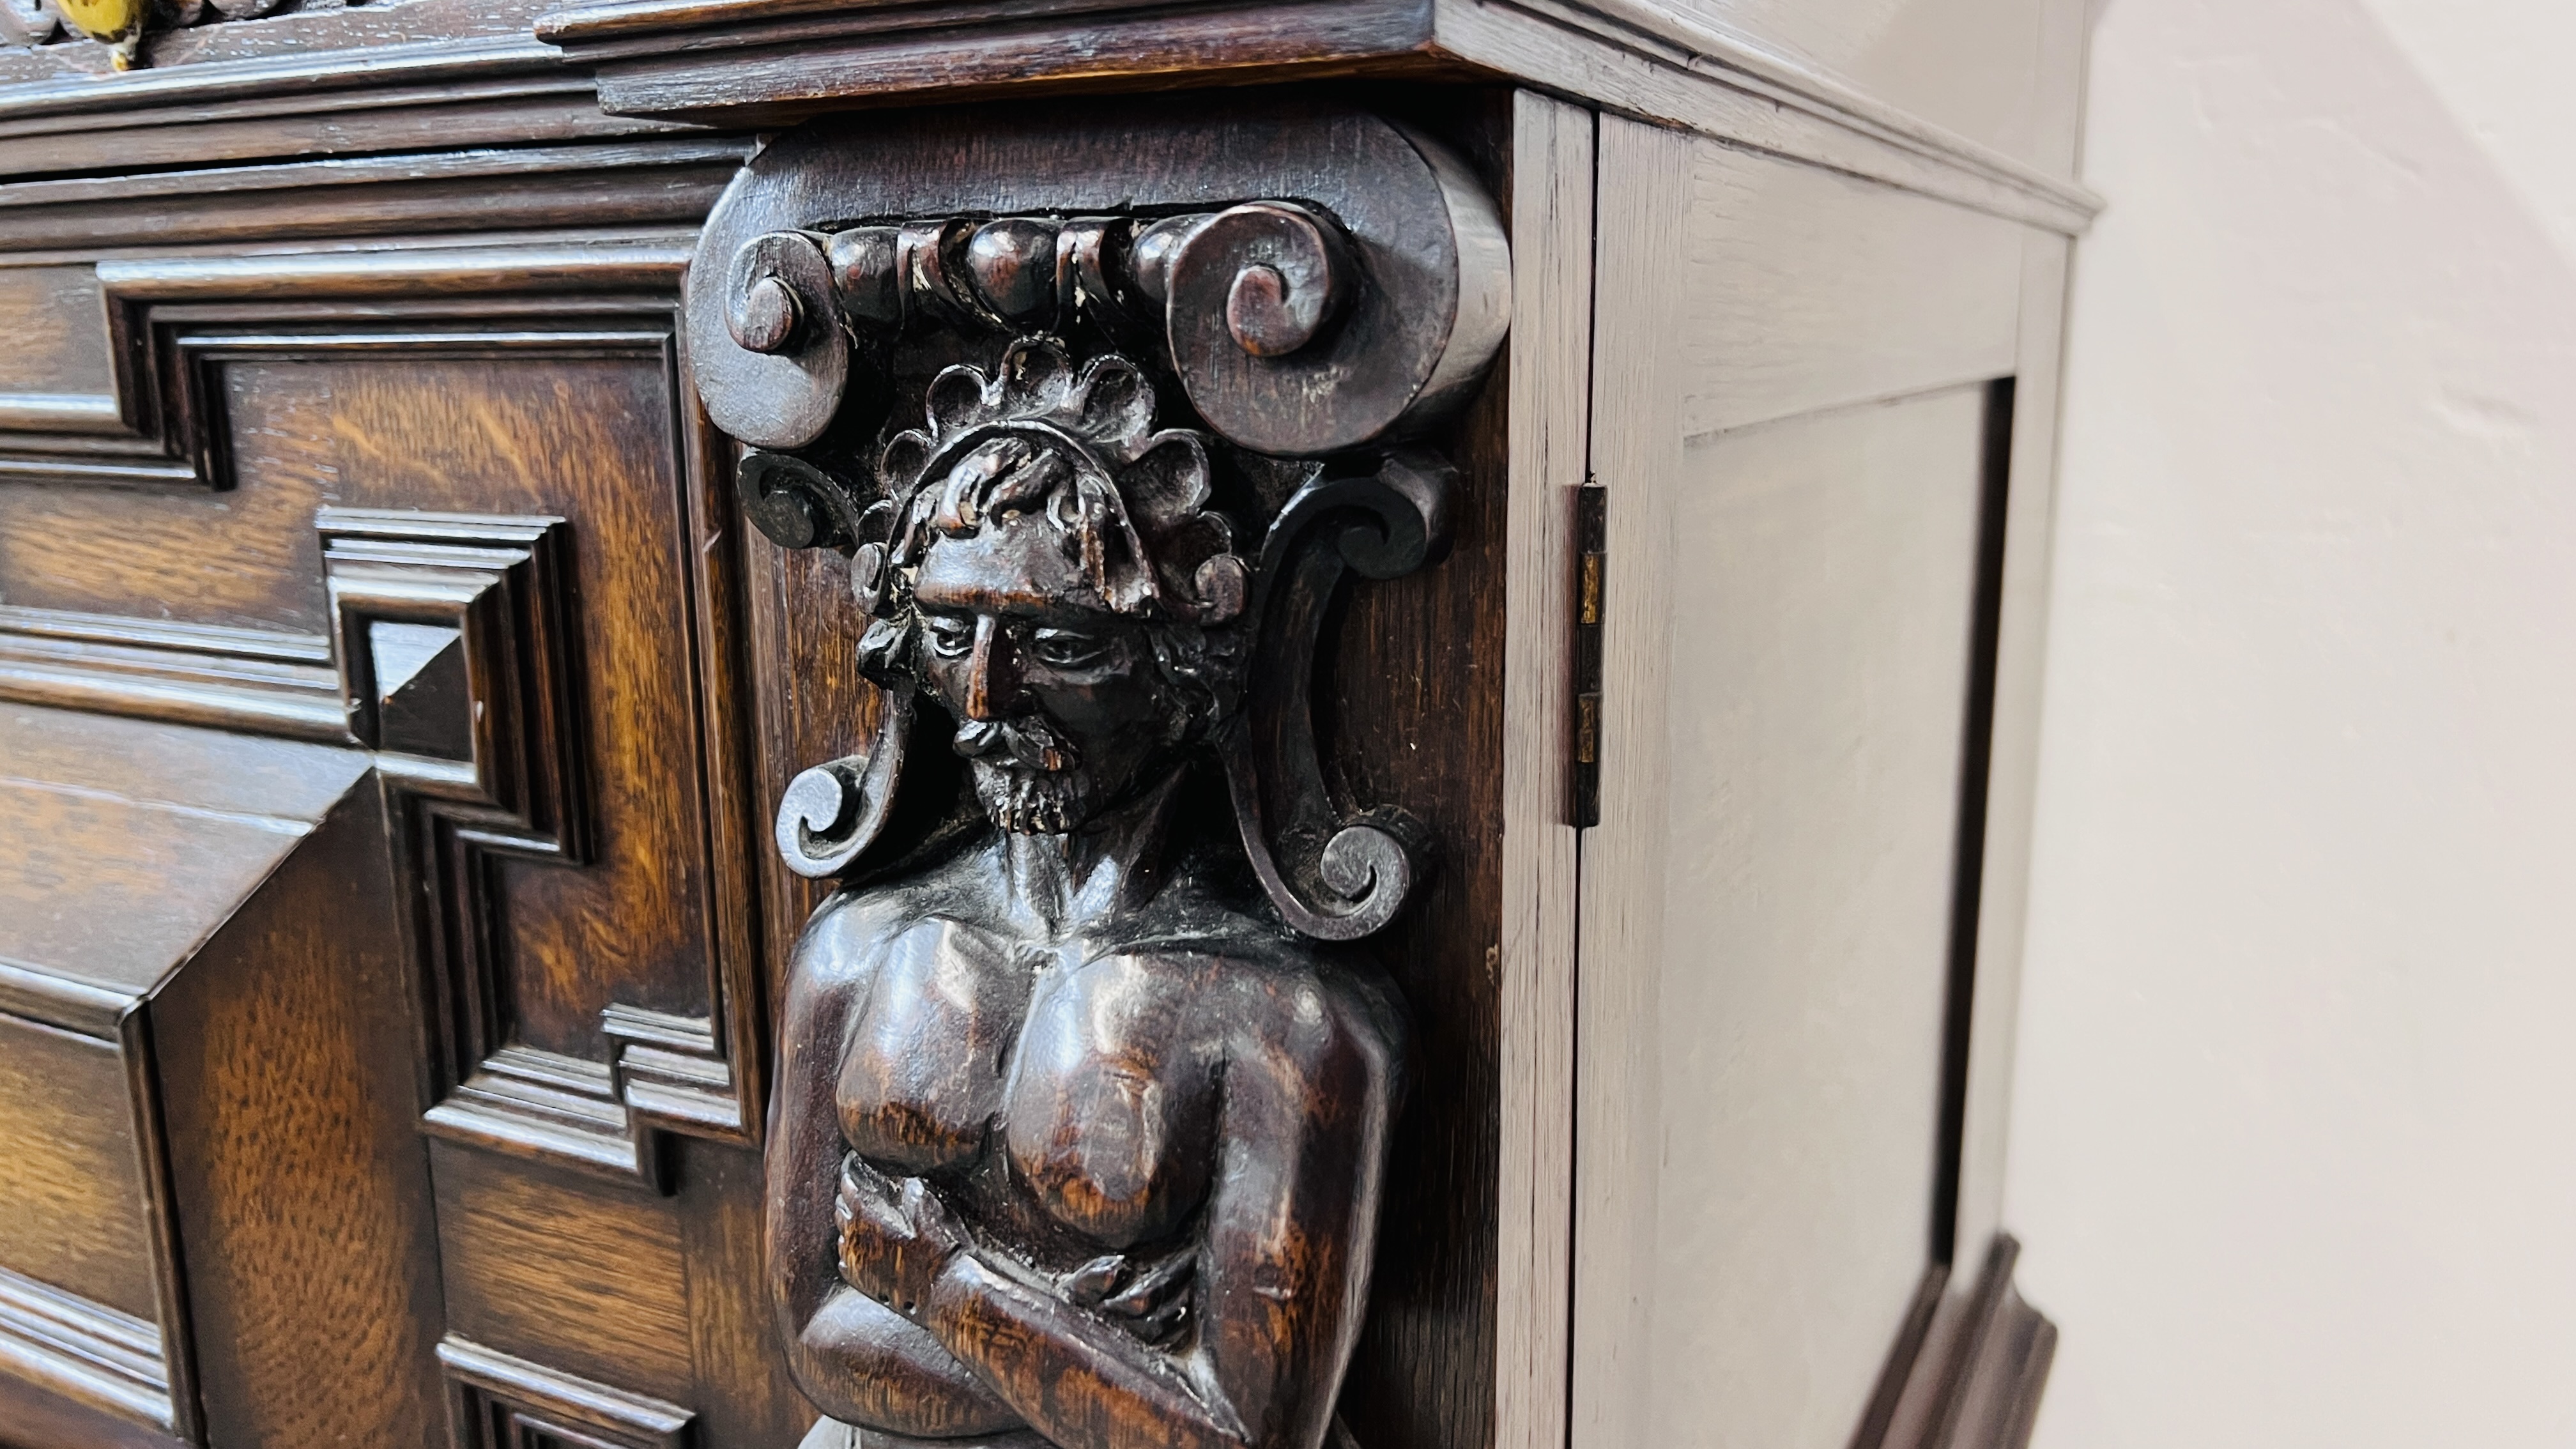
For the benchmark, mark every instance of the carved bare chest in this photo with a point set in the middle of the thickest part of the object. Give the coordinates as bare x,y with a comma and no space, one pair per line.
931,725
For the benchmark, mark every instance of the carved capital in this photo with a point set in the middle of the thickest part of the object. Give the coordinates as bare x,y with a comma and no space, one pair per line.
1297,300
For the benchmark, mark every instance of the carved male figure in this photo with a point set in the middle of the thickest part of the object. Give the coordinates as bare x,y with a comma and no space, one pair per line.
1074,1144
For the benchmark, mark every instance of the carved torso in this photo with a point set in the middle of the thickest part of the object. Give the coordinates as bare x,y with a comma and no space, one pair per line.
1068,1094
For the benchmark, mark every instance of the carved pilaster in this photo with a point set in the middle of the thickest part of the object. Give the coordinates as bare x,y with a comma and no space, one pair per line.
1083,1106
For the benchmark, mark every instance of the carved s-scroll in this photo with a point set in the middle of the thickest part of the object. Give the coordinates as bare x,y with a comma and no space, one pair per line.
1334,874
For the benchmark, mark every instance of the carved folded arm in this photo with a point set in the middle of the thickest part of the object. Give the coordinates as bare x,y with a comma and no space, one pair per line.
1288,1235
858,1360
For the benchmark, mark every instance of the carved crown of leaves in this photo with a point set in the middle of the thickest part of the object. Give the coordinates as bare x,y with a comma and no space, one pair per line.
1076,446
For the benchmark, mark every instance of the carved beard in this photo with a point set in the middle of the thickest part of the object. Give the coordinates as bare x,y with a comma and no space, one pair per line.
1033,802
1026,776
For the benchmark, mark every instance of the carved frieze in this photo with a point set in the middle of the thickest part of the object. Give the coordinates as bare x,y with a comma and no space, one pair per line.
1085,1090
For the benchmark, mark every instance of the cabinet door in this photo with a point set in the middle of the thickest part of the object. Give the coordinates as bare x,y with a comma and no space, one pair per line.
1803,405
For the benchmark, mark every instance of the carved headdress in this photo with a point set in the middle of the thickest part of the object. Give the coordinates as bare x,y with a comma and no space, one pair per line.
1080,448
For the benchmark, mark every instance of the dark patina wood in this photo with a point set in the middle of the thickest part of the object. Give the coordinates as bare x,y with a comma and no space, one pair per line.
1075,1143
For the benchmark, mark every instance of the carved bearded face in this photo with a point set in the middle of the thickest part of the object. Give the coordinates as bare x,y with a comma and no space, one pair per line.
1065,583
1060,702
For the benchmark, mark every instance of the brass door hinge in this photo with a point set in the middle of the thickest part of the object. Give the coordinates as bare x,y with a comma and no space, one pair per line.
1591,581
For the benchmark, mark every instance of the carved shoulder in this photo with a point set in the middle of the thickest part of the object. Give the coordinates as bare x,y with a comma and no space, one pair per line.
846,939
1313,1011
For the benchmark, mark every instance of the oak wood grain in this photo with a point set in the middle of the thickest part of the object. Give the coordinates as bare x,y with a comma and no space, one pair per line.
72,1202
744,1394
567,1272
1802,290
191,865
32,1418
639,182
1636,453
1552,197
300,1184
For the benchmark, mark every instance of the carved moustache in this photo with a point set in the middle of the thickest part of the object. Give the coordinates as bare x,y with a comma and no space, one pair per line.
1029,744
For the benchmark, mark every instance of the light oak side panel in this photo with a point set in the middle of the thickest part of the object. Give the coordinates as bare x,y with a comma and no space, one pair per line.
1636,451
1552,147
1765,917
2013,773
1800,289
1818,624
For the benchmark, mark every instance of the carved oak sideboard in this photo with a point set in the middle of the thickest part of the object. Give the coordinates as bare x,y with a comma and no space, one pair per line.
960,724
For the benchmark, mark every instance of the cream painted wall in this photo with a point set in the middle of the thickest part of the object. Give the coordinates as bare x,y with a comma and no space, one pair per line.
2294,1136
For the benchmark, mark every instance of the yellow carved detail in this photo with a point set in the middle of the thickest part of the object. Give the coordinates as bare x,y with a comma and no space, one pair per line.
108,20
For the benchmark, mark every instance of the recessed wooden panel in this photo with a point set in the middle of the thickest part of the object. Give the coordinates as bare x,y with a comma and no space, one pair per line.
1819,669
589,438
57,331
244,557
71,1178
1805,289
581,1276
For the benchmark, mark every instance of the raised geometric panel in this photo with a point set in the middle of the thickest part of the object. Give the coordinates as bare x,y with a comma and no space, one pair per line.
583,996
453,663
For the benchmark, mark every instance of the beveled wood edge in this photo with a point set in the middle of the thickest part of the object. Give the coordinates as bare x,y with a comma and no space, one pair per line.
648,264
630,153
1968,1368
65,1003
1638,62
160,1193
2012,783
632,184
86,1352
732,801
258,680
710,60
316,73
474,1370
1750,64
164,685
689,61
